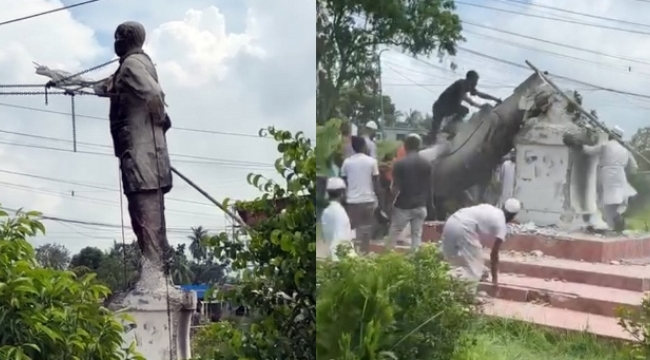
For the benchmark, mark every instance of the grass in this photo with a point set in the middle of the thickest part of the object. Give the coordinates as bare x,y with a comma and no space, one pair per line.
499,339
639,220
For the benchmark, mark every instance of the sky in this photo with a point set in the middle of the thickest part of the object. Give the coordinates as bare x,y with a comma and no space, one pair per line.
228,68
613,59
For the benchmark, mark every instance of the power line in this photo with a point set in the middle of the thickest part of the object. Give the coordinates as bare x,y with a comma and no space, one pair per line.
47,12
554,18
640,61
219,161
557,76
534,4
532,48
222,163
215,132
81,198
90,223
93,186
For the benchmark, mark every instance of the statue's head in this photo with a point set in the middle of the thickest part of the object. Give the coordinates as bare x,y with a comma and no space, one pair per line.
129,36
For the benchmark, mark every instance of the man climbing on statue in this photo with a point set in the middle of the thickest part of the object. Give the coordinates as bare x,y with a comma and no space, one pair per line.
449,103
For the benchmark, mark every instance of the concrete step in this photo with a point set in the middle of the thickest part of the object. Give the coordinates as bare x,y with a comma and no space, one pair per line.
584,298
571,246
616,275
562,319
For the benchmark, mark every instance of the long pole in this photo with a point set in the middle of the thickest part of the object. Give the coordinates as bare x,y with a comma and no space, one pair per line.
381,96
592,119
212,200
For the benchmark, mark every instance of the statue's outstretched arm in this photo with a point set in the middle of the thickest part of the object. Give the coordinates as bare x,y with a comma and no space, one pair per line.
104,87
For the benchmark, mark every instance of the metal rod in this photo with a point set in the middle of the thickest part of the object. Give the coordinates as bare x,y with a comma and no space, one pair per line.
212,200
592,119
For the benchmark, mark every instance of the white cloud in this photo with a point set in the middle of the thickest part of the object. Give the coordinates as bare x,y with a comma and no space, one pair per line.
628,112
222,70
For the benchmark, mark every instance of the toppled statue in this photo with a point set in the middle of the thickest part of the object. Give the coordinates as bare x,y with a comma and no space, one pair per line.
138,123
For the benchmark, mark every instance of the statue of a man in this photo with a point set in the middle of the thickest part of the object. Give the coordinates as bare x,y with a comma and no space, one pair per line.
138,123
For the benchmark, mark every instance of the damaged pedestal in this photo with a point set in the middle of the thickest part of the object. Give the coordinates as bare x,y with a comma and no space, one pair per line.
556,185
162,314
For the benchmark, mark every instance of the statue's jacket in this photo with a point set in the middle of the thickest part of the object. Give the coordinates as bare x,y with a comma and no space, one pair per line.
138,123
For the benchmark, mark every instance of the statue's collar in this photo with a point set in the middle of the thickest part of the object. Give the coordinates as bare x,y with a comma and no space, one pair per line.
129,53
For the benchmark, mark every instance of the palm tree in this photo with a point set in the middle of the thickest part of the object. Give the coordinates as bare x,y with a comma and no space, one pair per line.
197,248
180,267
414,118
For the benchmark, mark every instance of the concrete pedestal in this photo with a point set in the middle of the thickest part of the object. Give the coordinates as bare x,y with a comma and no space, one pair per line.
556,185
162,313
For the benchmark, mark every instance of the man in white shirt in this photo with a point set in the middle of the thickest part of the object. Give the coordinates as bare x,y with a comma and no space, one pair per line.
335,222
614,162
507,179
361,174
369,132
464,234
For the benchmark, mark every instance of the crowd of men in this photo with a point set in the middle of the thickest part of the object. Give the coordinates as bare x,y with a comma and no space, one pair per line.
356,194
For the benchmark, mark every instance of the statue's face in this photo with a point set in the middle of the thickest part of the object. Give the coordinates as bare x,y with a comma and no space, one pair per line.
121,44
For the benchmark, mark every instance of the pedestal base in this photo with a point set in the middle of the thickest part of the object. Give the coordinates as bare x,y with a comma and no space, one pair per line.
575,246
162,315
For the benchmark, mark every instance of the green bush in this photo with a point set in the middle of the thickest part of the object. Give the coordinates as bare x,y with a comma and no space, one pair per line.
391,306
48,314
387,148
637,324
278,262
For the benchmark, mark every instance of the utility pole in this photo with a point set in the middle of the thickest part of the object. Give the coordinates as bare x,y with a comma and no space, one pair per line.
381,96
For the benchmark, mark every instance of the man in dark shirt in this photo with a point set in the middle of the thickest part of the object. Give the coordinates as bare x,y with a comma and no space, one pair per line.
450,101
412,183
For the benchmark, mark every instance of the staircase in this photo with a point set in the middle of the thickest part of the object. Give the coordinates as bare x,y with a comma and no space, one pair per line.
567,282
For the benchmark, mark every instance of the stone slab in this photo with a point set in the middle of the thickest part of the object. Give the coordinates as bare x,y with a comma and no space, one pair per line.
617,275
562,319
584,298
580,247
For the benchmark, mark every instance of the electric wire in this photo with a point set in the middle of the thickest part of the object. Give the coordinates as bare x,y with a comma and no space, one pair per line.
218,161
215,132
538,5
600,26
572,47
47,12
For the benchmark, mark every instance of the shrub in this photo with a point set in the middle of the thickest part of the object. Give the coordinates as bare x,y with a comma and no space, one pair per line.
48,314
391,306
278,261
637,324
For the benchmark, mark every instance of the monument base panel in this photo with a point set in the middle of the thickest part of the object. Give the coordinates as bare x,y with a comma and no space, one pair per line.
161,314
571,246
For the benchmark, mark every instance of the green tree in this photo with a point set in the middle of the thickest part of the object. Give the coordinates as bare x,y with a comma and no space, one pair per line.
197,248
53,256
180,271
360,106
641,142
89,258
50,314
414,118
278,261
120,266
349,32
